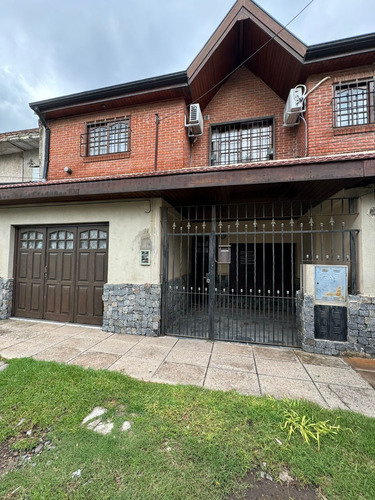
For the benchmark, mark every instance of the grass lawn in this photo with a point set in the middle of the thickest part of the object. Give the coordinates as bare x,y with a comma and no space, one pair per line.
184,443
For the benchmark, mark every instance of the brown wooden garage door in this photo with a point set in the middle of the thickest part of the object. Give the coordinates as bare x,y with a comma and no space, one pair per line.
60,273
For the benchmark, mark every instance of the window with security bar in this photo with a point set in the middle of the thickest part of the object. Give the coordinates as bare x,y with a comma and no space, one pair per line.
106,137
242,142
353,103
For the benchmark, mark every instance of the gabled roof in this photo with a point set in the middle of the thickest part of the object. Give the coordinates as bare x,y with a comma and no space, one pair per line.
247,36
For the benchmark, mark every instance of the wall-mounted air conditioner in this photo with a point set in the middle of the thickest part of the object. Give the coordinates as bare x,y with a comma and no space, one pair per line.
295,105
195,124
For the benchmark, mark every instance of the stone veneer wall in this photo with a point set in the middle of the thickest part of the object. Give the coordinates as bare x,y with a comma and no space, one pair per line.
6,296
132,309
361,327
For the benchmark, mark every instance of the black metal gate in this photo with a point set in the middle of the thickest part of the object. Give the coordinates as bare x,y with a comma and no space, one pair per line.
232,272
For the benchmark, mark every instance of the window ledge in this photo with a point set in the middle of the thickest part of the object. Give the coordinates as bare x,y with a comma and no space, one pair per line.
106,157
354,129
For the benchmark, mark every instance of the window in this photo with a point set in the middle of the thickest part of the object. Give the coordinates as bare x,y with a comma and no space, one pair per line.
353,103
242,142
106,137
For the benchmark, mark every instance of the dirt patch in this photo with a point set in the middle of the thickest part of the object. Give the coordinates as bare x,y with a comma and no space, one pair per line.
8,457
11,458
255,487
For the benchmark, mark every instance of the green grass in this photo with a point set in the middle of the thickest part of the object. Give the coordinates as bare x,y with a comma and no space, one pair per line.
185,442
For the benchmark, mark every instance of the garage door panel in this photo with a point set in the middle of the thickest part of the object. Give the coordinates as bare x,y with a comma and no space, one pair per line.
36,297
67,266
82,306
52,266
21,295
23,265
98,301
50,303
83,266
37,267
100,267
65,304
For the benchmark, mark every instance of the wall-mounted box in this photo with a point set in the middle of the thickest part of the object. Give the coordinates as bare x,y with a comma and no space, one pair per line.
331,284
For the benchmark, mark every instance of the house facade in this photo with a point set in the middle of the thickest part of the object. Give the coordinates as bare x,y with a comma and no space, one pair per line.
231,201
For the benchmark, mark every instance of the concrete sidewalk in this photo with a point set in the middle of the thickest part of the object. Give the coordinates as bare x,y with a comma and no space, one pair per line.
256,370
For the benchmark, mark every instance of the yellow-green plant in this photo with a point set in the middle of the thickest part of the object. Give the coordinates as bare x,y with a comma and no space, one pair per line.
309,430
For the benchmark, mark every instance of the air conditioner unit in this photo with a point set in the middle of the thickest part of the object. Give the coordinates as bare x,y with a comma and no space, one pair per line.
294,107
195,124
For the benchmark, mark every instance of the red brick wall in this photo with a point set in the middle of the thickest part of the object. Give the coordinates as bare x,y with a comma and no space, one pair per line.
323,137
245,96
65,142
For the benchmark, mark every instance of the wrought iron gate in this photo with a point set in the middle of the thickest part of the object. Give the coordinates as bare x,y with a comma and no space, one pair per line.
232,272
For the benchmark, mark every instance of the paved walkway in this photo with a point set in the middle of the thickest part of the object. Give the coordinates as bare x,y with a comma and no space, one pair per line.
256,370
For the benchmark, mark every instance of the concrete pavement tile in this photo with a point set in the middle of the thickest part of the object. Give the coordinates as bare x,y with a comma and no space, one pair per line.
321,360
276,353
290,388
232,362
91,333
142,369
224,380
349,398
14,324
198,358
52,337
231,348
287,369
142,350
178,373
95,360
59,354
339,376
160,341
125,337
80,343
8,342
194,345
22,350
113,346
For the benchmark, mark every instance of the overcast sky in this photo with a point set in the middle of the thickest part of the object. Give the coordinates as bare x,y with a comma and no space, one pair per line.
50,48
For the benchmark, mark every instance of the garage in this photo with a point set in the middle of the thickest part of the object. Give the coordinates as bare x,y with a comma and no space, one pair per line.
60,272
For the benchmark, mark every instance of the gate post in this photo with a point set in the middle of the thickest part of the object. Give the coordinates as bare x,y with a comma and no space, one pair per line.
211,274
164,283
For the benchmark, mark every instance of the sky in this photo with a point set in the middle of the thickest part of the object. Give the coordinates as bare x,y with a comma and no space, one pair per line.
51,48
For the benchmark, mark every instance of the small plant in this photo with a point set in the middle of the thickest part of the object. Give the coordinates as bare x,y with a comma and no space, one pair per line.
309,430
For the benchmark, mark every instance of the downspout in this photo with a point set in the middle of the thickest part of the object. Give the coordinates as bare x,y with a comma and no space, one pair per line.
46,142
156,141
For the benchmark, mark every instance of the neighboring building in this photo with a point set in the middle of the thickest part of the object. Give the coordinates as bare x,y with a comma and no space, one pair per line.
240,219
19,156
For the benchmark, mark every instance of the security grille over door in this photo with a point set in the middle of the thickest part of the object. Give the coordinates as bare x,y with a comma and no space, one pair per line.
232,272
60,273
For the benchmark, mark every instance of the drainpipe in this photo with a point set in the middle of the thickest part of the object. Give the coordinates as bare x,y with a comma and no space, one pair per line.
156,141
46,142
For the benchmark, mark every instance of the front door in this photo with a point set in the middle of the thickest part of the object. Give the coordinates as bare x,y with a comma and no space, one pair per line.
60,273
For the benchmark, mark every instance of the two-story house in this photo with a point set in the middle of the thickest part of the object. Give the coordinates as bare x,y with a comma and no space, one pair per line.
232,201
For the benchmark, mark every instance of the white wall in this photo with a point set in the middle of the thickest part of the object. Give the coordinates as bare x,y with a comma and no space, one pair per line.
133,226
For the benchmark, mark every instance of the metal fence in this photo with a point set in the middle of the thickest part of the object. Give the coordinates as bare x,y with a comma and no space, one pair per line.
232,272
